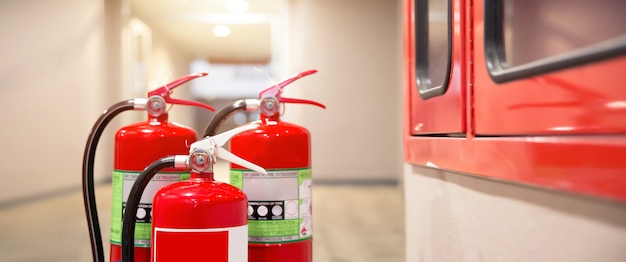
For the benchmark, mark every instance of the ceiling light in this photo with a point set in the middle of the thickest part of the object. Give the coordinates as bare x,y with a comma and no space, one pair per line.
221,30
237,6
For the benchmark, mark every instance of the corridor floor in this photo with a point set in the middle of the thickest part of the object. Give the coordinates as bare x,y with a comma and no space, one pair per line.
359,223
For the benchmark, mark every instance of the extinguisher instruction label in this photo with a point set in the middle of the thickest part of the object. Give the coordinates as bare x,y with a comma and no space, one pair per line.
122,184
279,204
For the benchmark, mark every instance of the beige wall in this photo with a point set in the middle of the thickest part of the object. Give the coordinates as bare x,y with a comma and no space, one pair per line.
52,90
62,65
355,45
454,217
64,62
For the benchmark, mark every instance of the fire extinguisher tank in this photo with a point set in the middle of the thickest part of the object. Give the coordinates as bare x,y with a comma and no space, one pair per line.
136,146
279,213
280,224
200,218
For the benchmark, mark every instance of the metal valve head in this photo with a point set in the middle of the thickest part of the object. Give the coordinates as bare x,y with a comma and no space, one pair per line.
270,105
211,148
200,160
156,106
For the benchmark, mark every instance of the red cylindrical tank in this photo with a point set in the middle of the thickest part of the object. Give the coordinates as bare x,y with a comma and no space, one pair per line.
279,203
200,218
136,146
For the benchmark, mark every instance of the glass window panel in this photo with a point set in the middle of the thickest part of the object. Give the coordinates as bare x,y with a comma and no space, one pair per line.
433,46
536,29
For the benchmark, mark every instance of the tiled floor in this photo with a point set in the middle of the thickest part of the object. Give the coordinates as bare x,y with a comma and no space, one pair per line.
351,223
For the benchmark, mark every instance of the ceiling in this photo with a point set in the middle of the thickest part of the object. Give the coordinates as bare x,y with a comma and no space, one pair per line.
189,23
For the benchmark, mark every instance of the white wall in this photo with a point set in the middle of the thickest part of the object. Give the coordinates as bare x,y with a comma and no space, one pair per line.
62,65
455,217
51,73
355,45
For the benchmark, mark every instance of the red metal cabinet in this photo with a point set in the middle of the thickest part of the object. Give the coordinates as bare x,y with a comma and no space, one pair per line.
558,123
557,78
441,114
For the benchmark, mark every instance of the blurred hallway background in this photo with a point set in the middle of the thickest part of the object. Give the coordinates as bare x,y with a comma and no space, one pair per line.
65,61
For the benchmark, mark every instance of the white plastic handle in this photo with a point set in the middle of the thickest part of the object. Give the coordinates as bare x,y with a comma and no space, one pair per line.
214,144
230,157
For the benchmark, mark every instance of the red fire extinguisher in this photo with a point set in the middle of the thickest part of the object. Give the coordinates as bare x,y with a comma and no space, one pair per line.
136,146
279,202
195,220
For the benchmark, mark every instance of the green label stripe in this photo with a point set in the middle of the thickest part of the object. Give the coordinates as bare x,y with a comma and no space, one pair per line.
139,172
278,228
303,174
236,178
279,242
274,170
117,185
143,231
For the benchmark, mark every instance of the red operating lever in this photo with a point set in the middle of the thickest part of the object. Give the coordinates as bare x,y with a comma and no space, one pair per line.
277,90
166,90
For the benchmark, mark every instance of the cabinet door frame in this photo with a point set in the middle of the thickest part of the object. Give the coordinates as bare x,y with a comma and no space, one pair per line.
435,109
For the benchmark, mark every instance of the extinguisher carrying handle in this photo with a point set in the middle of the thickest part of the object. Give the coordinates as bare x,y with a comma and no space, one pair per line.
251,105
214,147
165,91
277,90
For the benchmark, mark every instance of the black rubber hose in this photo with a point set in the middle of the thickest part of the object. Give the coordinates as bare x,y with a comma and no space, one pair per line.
130,213
222,115
89,196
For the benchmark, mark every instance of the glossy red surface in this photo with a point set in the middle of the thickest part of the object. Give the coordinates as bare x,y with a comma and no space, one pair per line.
198,203
587,99
441,114
562,131
273,145
138,145
287,252
276,145
592,165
